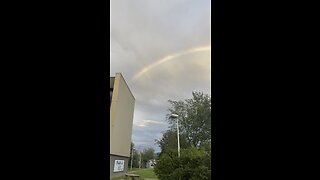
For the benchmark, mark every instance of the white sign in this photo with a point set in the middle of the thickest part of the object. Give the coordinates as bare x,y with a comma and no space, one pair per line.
118,165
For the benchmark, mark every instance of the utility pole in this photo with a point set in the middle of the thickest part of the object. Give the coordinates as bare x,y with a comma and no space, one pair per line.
140,161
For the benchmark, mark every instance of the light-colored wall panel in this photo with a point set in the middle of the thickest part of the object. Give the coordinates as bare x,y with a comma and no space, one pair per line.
121,117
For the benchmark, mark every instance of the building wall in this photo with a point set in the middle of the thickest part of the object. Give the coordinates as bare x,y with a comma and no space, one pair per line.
121,120
112,159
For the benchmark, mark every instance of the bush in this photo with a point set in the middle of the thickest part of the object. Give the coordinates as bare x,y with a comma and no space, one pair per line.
194,164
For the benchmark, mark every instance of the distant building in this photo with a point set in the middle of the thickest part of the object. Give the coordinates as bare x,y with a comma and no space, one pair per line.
151,163
121,120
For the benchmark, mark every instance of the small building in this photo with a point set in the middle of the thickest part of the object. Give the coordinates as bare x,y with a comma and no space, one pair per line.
121,120
151,163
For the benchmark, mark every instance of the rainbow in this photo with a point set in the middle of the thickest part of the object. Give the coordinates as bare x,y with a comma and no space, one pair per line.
168,58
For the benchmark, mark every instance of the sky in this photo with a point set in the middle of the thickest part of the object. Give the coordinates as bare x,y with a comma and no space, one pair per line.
163,50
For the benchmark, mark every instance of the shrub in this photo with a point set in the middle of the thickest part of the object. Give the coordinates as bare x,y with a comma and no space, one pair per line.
194,164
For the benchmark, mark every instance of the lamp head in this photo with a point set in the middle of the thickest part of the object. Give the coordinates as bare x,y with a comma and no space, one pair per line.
174,116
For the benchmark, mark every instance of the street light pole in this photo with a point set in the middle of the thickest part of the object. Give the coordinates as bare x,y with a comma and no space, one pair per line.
175,116
178,138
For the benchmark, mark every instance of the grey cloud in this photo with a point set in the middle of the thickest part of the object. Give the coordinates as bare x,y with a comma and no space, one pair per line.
143,31
155,28
146,136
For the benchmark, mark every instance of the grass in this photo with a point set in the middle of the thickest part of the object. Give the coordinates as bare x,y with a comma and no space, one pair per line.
118,178
134,169
144,173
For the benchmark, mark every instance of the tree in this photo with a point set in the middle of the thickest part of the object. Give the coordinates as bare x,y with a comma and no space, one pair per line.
135,157
194,118
169,141
135,162
131,150
146,155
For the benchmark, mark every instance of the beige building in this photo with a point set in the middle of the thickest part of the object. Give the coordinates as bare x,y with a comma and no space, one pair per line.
121,120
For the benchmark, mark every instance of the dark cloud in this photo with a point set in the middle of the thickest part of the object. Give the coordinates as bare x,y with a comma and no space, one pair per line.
145,31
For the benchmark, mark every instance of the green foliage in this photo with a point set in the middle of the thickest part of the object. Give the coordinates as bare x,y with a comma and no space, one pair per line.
135,157
131,150
146,155
146,173
167,165
194,164
135,161
194,123
169,141
194,118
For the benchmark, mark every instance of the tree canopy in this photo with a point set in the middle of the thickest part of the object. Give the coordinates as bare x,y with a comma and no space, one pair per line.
146,155
194,116
169,141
